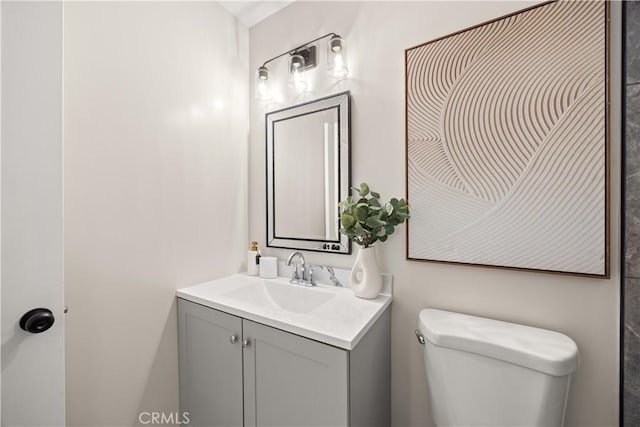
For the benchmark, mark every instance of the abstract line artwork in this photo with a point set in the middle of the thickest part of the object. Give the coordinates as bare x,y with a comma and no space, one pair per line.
507,142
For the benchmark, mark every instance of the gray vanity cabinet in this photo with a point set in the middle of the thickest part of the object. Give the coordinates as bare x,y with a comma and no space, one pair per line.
210,365
268,377
293,381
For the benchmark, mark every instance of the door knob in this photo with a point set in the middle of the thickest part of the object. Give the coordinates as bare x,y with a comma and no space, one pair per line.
246,342
37,320
233,339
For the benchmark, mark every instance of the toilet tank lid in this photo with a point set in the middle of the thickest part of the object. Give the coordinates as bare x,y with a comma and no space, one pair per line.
540,349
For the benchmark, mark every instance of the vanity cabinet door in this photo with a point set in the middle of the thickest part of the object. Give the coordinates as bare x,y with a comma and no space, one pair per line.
293,381
210,365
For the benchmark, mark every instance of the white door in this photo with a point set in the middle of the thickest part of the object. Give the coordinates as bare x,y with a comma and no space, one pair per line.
31,207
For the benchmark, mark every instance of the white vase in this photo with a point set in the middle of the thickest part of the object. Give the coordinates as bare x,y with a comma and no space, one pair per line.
366,279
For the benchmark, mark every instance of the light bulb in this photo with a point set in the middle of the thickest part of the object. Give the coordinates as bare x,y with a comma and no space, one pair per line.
297,79
336,58
263,91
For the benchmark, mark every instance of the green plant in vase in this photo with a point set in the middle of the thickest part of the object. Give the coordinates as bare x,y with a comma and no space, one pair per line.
365,220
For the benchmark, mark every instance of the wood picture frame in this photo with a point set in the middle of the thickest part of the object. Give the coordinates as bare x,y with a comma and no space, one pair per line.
507,143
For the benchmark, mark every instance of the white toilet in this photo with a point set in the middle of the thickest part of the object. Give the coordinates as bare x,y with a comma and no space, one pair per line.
483,372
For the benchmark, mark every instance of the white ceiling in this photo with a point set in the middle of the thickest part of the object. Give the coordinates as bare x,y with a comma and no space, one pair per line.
252,12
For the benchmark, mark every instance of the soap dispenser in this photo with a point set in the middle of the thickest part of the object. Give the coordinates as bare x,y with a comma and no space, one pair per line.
253,260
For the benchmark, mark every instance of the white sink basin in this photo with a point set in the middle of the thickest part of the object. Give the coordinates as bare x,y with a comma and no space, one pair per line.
324,313
285,296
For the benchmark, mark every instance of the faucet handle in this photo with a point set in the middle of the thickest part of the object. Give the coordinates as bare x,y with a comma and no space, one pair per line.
310,279
332,277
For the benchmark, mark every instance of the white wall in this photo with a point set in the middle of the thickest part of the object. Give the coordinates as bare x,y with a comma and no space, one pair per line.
156,107
377,34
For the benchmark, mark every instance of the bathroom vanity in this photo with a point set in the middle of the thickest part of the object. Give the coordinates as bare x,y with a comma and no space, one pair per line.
258,352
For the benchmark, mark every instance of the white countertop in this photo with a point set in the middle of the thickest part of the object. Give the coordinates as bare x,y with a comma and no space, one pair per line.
324,313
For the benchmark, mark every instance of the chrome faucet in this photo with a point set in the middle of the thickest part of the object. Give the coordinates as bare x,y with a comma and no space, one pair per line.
304,276
298,277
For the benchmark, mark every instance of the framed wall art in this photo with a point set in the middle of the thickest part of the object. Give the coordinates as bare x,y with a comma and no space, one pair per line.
507,142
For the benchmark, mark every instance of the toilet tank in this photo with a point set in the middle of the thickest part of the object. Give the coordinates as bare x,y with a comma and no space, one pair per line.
492,373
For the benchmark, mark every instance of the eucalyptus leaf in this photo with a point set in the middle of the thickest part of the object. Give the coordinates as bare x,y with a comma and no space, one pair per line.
361,213
373,223
364,189
395,221
347,220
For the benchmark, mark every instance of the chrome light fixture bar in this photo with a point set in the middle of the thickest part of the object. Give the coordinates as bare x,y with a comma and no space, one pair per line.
304,58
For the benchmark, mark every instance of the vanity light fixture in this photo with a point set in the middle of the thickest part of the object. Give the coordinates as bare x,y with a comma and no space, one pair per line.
303,58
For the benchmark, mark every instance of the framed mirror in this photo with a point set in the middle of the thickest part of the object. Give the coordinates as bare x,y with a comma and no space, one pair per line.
308,173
